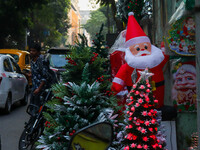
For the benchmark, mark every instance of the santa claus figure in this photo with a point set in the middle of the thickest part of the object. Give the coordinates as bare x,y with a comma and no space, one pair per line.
183,46
189,28
184,88
139,54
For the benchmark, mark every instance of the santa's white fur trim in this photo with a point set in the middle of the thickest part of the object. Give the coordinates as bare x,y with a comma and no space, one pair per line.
131,13
141,62
137,40
118,81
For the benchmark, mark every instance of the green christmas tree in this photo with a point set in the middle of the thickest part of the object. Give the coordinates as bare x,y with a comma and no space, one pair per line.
141,122
126,6
82,99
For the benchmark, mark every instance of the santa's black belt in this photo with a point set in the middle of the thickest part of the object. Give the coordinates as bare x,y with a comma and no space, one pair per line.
161,83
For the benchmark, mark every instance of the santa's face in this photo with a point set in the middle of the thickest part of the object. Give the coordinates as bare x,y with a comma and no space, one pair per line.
185,81
150,60
141,49
190,22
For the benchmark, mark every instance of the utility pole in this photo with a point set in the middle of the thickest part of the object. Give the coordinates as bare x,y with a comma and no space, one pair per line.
197,30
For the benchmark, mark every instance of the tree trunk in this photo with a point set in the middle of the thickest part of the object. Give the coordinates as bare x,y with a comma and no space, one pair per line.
118,22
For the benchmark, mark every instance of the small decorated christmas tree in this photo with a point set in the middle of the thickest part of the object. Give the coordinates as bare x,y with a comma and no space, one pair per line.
141,117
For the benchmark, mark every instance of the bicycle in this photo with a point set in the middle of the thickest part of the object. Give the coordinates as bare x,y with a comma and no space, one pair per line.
35,126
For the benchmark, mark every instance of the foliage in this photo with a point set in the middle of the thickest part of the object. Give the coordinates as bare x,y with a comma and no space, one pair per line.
94,23
39,18
80,107
50,23
141,118
99,44
113,5
14,20
140,8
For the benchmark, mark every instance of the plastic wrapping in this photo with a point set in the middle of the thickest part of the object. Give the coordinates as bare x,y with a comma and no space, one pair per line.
183,83
181,32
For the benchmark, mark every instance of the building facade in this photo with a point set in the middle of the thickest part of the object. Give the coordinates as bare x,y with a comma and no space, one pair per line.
74,18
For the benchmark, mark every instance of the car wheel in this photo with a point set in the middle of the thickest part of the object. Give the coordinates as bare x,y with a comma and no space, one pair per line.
8,104
24,101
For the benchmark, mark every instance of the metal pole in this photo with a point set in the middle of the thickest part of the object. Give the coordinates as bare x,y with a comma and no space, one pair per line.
26,40
197,22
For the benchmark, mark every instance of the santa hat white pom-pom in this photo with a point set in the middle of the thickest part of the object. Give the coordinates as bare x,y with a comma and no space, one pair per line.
131,13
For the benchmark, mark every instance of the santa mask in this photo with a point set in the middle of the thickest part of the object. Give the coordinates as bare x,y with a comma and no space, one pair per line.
141,49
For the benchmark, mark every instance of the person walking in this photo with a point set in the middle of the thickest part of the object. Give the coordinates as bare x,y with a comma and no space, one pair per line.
39,74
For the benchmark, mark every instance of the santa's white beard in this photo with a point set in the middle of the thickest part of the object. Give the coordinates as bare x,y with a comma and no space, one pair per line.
141,62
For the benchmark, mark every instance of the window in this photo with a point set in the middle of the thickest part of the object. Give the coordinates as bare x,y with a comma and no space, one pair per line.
27,59
16,57
15,66
7,65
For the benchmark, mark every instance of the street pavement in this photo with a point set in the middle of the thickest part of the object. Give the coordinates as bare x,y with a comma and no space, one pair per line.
11,126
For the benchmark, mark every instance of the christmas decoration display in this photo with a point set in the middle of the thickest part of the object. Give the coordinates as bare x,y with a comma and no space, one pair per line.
184,84
181,38
139,54
141,131
83,98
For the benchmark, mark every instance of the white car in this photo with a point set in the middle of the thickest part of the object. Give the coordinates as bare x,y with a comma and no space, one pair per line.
13,84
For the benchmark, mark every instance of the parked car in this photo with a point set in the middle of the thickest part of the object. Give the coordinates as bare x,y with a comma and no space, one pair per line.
56,57
22,58
13,84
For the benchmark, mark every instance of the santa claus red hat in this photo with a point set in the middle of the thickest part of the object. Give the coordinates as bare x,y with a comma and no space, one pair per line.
134,33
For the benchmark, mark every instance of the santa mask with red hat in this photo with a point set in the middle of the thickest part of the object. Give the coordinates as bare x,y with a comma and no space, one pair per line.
139,54
138,44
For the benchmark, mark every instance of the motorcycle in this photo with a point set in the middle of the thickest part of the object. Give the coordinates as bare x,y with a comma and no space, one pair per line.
35,126
96,136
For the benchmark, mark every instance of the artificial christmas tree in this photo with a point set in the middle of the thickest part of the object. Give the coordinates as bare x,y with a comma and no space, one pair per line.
140,117
82,99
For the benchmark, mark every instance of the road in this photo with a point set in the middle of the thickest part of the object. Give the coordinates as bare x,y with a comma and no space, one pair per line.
11,127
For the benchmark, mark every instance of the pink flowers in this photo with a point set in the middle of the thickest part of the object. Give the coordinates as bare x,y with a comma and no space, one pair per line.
143,131
144,113
155,101
142,87
130,113
145,146
140,101
130,103
148,90
131,136
137,104
147,123
133,145
126,148
145,139
137,92
147,99
153,121
139,146
133,109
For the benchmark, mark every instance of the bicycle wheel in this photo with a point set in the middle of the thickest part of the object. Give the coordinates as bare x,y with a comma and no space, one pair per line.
27,141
